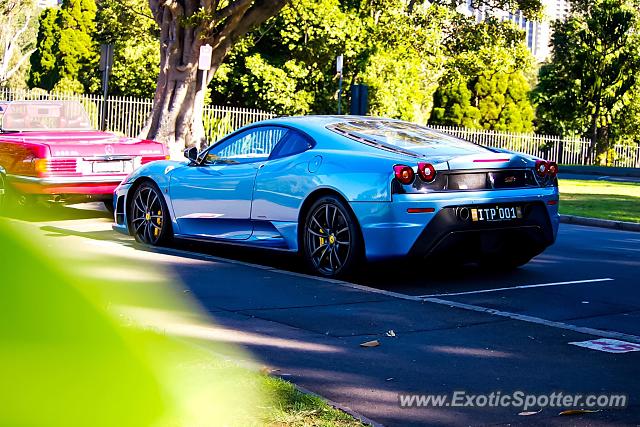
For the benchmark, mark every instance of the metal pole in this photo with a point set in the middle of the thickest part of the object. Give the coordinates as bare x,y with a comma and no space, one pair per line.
105,85
340,95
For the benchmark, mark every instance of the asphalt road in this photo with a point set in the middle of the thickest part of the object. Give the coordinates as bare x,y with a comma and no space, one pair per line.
468,329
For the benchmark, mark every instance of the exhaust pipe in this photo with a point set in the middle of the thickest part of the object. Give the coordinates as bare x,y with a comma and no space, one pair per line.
57,199
464,214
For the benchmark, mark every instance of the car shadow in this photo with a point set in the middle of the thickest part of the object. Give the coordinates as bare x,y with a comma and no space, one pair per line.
52,213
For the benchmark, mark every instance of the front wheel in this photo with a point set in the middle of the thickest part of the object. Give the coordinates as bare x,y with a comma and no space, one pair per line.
331,239
149,216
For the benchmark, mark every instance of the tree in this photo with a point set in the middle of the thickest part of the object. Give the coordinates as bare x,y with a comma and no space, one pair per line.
408,59
67,55
485,86
594,70
130,28
17,26
185,26
289,65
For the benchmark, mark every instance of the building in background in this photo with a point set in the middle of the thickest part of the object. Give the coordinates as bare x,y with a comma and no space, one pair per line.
537,34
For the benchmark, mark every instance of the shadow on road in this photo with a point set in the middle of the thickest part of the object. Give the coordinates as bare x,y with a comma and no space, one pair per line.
51,213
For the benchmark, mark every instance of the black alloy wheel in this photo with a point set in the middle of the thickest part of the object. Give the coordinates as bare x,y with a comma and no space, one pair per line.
149,216
331,238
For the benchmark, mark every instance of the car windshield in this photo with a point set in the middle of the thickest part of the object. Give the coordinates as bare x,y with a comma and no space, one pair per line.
403,135
25,116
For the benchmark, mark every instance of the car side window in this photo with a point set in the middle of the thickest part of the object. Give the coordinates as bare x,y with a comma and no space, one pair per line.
293,143
253,145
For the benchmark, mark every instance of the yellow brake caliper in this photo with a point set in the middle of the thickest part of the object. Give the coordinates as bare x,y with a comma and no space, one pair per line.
156,231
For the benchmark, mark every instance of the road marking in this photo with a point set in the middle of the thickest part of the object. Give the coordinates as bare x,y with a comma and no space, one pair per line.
514,316
454,304
608,345
537,320
540,285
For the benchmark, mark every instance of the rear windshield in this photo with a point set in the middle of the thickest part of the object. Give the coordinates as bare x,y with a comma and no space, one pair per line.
399,134
24,116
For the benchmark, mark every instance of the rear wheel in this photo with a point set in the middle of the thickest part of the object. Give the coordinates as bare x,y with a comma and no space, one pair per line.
11,200
331,241
150,221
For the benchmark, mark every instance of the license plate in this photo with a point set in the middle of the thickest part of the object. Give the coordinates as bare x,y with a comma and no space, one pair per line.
498,213
109,167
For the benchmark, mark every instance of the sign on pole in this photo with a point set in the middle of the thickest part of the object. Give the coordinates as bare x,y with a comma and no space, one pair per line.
339,67
206,51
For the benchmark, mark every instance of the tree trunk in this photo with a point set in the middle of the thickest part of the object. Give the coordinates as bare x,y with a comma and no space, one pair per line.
177,115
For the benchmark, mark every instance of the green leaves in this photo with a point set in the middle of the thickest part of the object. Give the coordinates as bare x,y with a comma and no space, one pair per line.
588,86
66,48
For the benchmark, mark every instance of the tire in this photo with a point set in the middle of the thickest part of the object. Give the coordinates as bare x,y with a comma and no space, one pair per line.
13,202
331,242
149,219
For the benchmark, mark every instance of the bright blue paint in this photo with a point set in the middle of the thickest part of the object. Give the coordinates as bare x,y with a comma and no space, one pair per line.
259,203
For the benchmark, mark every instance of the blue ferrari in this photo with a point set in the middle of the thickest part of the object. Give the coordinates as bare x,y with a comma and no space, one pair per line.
342,189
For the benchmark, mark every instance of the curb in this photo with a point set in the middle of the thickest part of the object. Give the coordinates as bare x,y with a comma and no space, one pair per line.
603,223
336,405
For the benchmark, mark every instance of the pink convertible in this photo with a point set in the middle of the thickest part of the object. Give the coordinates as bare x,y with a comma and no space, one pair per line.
49,151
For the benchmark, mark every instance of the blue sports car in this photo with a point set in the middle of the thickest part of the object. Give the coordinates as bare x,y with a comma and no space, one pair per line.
340,189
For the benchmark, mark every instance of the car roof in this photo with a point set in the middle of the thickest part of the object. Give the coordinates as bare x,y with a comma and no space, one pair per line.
322,120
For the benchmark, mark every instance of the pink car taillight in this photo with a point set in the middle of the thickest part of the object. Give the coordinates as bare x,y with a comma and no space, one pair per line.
56,167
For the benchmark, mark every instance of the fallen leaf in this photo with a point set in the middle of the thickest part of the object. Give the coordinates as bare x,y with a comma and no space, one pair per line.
391,333
265,370
578,411
528,413
373,343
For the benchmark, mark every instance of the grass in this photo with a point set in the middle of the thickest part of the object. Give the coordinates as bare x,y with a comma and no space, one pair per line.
618,201
289,407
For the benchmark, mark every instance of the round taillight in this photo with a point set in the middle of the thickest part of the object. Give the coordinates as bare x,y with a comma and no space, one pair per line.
404,174
542,167
553,169
426,171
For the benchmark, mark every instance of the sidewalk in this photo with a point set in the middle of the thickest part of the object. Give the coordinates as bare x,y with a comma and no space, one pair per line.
600,173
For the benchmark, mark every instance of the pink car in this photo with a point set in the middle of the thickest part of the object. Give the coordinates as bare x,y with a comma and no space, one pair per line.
49,151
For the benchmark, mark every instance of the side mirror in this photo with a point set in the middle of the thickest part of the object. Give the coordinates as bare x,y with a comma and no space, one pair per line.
191,153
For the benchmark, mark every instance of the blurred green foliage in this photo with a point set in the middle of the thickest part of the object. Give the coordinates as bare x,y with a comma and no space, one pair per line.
75,353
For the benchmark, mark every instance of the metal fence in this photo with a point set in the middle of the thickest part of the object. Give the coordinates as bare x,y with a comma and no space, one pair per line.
568,151
128,116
